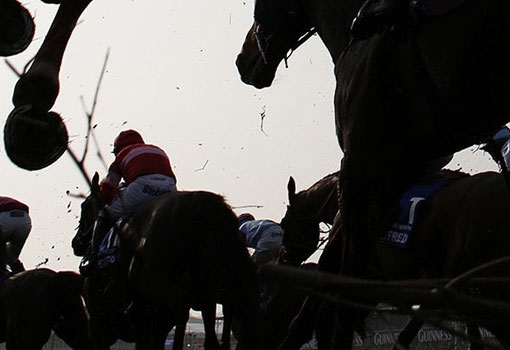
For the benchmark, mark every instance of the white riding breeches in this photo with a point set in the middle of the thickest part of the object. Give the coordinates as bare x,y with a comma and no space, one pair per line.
15,226
141,190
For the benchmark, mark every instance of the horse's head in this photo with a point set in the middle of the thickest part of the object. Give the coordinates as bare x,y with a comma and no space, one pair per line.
279,28
300,229
307,209
89,211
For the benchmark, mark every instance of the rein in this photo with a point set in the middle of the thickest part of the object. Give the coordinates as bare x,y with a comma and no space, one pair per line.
262,42
312,31
299,246
330,195
322,208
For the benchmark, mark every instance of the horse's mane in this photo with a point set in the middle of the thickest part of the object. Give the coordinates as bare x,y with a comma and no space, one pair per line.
445,174
442,175
332,177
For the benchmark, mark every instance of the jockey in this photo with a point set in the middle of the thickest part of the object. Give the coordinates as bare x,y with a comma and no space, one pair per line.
15,226
502,140
500,146
265,236
147,173
376,15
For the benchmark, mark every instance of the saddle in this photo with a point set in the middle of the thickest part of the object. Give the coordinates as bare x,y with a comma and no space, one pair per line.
376,16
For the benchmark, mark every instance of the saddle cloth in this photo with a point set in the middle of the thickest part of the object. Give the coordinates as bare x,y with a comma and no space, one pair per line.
107,253
436,7
410,207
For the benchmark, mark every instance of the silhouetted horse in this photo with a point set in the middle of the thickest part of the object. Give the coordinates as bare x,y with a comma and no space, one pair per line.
35,302
463,225
412,99
178,251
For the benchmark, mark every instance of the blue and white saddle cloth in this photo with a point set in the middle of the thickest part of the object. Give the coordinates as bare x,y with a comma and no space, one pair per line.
410,207
107,254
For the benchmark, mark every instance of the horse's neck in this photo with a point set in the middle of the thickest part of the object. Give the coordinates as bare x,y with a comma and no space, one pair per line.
323,199
332,19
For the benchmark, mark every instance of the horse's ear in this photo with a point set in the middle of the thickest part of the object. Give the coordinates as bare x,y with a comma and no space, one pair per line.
291,187
94,188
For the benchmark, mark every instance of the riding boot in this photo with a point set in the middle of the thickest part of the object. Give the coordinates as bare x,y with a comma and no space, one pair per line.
377,15
16,267
102,227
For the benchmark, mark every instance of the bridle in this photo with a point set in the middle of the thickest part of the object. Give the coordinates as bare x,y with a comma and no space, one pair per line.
305,244
84,236
280,21
262,41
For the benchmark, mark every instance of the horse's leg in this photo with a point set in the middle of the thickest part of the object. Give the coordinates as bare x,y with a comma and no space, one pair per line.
474,331
209,318
28,335
100,331
72,326
151,325
227,327
408,333
165,321
180,331
301,327
343,321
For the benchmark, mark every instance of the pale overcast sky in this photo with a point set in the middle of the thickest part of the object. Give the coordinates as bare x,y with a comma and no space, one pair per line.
171,75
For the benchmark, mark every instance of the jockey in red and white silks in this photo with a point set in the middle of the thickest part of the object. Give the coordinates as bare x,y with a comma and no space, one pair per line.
147,173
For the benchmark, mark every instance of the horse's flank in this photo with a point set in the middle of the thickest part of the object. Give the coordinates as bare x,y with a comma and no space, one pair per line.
189,253
465,225
179,250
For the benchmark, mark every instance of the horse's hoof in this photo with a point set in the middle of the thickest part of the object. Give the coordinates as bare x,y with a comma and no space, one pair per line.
17,28
34,140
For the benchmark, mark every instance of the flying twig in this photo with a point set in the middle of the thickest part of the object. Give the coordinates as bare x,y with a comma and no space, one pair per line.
248,206
11,66
44,262
25,68
262,116
76,195
203,167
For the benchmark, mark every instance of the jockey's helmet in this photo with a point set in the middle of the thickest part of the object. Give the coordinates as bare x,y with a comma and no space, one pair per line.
126,138
244,217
